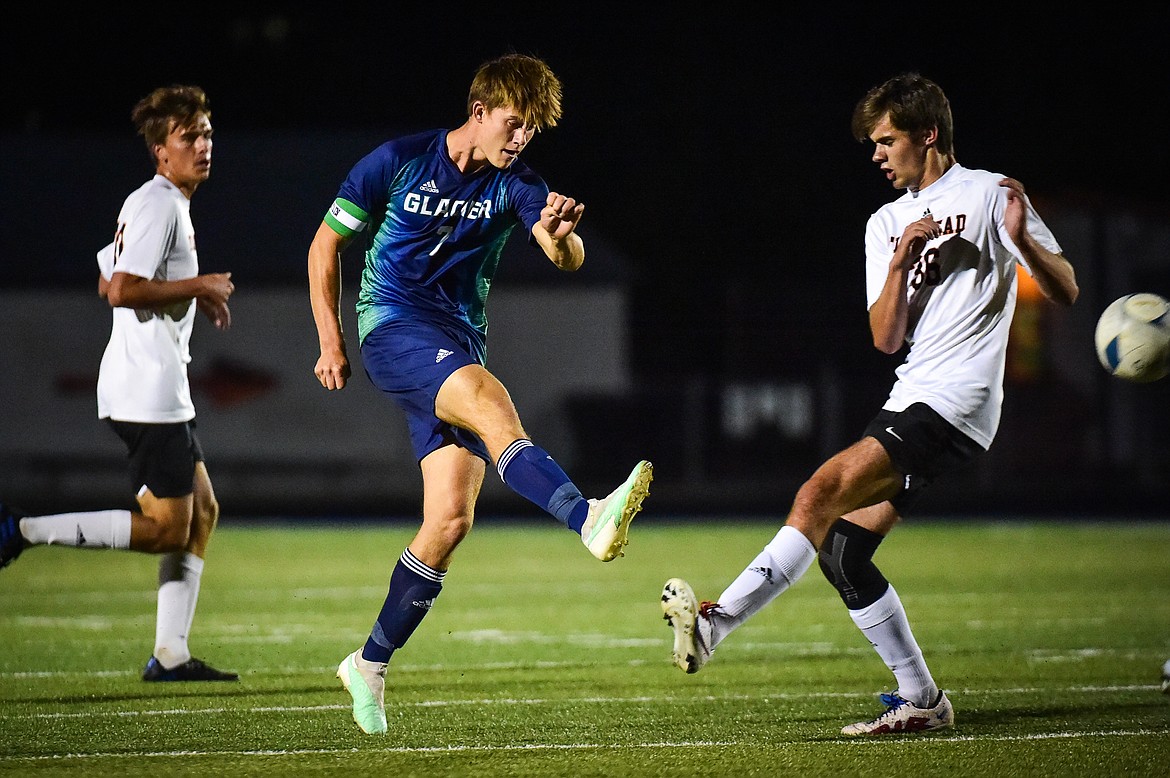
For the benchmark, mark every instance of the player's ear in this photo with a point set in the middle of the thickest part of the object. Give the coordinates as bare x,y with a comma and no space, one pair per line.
930,137
478,111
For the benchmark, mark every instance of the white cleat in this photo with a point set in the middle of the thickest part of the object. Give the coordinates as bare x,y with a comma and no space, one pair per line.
607,526
692,628
904,716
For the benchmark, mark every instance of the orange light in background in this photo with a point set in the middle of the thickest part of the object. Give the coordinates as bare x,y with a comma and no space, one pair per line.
1027,289
1025,352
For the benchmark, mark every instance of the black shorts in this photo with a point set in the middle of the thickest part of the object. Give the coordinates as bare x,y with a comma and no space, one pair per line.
922,446
162,456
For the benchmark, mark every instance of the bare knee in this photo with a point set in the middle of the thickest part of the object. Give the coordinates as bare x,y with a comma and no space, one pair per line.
452,477
161,534
814,507
453,529
204,512
162,524
439,536
207,512
474,399
204,520
860,476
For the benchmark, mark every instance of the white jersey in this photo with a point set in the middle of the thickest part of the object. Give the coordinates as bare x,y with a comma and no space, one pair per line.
143,376
961,293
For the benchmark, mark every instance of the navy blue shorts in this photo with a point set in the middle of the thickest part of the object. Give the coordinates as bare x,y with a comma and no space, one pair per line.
162,456
410,360
922,446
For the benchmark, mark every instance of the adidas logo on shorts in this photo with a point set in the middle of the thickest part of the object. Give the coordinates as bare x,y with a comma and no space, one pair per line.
443,354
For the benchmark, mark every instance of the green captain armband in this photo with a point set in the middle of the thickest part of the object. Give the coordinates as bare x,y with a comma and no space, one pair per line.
345,218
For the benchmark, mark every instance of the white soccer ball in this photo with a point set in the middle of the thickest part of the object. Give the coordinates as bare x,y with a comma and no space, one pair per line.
1133,337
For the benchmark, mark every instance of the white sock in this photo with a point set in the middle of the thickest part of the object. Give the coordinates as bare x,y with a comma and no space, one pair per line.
179,574
785,559
93,529
884,623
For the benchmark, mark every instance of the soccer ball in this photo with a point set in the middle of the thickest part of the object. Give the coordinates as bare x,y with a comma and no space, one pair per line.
1133,337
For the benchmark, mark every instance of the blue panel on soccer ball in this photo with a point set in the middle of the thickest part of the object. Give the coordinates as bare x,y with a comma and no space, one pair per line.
1113,354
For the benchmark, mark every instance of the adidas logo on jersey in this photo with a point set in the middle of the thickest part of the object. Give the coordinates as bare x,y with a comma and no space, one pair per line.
430,186
443,354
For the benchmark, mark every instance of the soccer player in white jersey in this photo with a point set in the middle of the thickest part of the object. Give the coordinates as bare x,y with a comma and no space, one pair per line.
150,276
437,207
941,277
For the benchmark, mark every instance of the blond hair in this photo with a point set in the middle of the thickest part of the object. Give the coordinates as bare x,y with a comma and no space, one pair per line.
521,82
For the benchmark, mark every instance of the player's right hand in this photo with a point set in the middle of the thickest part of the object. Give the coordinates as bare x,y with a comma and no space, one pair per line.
332,369
914,239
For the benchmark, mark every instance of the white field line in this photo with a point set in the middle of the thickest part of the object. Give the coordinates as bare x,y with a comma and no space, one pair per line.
82,757
393,750
488,701
815,649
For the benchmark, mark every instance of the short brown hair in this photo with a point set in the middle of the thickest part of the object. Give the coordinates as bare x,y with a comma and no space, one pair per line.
915,104
166,108
522,82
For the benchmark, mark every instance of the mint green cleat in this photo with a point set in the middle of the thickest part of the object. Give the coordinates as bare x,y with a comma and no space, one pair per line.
608,524
366,683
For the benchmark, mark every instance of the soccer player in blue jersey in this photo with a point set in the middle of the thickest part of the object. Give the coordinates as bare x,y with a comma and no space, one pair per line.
437,208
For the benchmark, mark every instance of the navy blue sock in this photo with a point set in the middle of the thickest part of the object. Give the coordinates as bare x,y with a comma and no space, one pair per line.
413,589
534,475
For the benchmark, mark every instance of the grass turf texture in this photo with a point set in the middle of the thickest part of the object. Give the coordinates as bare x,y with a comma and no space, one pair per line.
538,660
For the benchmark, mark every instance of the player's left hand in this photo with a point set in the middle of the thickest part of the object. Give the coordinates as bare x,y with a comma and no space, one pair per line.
217,312
560,215
1015,216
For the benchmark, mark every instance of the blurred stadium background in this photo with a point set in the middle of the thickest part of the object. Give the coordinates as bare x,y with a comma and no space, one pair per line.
718,327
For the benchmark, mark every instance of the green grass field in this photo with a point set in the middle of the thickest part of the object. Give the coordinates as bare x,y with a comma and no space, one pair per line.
538,660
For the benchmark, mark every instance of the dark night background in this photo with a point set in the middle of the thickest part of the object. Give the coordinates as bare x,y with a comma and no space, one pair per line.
710,143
